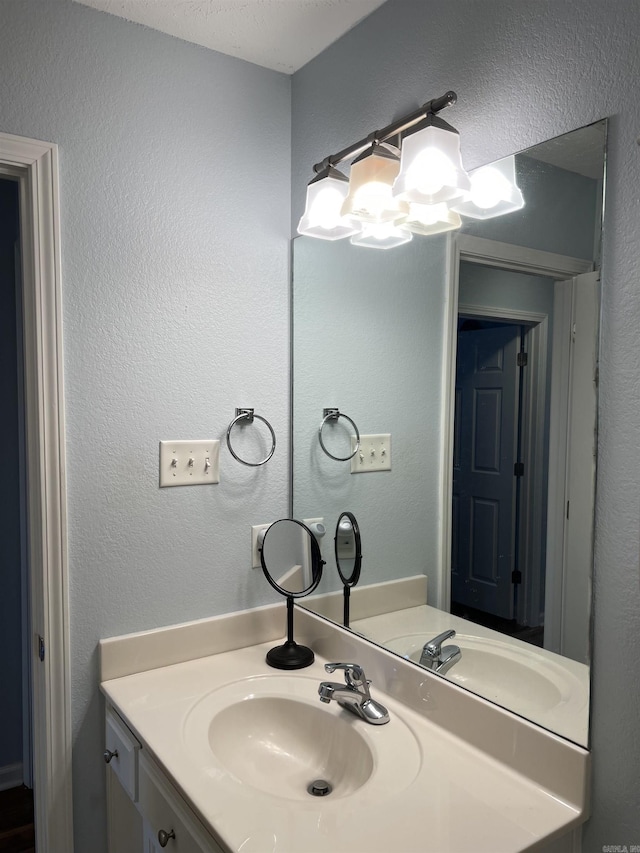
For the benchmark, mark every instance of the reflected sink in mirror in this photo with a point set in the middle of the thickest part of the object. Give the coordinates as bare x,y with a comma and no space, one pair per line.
500,673
273,735
546,688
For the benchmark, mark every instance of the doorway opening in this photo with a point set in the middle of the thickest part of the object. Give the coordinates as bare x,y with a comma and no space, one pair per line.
15,733
33,167
491,438
556,299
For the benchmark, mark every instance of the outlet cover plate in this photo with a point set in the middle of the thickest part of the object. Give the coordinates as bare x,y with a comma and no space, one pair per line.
374,453
189,463
255,554
309,522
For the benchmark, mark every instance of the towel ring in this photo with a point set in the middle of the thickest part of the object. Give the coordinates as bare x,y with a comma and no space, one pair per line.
249,415
333,415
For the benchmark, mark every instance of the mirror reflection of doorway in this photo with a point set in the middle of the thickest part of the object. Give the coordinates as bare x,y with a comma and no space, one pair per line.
486,451
500,457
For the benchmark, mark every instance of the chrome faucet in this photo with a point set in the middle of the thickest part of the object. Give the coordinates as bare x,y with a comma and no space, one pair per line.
439,659
353,694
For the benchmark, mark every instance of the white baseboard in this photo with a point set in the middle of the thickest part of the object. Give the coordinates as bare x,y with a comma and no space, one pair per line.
11,776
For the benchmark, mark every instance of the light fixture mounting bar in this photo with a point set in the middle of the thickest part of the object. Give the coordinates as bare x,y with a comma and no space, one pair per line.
430,108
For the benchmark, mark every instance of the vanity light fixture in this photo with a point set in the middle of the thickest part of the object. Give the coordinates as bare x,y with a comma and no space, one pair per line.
383,235
370,196
426,219
494,191
405,179
323,217
431,168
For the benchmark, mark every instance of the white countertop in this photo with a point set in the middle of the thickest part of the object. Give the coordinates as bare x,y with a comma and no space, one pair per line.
459,799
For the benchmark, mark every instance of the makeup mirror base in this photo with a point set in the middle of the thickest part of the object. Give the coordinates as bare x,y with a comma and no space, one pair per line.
290,656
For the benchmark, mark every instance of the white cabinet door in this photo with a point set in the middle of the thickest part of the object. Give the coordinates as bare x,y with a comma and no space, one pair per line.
169,825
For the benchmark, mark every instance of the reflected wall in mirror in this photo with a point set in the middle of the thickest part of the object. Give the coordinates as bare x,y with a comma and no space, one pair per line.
477,353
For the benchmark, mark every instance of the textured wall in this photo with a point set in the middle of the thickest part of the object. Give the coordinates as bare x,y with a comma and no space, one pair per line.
175,199
10,577
525,72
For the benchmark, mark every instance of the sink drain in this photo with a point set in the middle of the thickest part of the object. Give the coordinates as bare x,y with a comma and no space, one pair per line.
319,788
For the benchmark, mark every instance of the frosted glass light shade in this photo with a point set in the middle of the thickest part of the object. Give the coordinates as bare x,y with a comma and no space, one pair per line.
322,216
431,168
383,235
494,191
429,219
371,179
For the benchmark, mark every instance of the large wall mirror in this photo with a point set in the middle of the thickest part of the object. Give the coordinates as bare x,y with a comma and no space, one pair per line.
467,361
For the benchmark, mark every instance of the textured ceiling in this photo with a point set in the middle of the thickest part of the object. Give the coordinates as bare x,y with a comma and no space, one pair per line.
279,34
580,151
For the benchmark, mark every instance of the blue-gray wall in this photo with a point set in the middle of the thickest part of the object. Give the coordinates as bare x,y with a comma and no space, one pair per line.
10,576
367,338
525,72
175,204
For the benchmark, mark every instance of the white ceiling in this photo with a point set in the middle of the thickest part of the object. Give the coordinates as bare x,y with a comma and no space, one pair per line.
279,34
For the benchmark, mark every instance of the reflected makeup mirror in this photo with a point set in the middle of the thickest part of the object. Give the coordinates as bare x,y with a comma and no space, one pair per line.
348,550
291,563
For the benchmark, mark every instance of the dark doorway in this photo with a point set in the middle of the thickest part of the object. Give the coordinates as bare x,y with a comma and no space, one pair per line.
485,571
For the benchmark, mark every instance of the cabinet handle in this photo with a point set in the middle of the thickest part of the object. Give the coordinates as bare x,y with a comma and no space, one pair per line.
108,755
163,837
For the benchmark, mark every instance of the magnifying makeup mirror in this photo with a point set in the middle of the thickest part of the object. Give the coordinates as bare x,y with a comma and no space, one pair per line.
348,550
291,562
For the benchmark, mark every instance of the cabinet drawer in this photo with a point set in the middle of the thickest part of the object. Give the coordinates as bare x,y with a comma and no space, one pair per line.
164,810
120,740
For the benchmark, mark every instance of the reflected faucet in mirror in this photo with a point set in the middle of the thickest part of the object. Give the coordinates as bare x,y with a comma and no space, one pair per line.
439,659
477,353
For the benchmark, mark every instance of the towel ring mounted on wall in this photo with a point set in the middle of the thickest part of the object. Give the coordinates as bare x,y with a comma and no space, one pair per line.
249,416
333,415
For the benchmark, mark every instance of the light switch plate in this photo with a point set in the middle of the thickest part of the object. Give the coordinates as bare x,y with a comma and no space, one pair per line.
374,453
189,463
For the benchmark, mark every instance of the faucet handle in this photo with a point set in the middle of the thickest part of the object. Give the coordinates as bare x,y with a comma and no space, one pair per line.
433,647
353,673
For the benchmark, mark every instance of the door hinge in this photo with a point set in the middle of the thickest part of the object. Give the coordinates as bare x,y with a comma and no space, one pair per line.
516,576
522,359
40,648
518,469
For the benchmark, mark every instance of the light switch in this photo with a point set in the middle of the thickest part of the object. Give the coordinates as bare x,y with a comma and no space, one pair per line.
374,453
189,463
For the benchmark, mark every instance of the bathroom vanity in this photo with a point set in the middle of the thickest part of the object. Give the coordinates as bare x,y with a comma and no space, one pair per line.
209,750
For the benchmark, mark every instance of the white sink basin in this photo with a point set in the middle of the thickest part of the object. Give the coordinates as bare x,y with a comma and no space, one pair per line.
273,734
498,671
270,741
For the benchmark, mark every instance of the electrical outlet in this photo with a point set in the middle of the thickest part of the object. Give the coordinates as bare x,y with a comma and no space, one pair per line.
255,553
374,453
189,463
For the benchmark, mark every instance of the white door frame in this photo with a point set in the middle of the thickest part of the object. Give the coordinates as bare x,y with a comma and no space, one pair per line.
464,247
572,441
36,165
